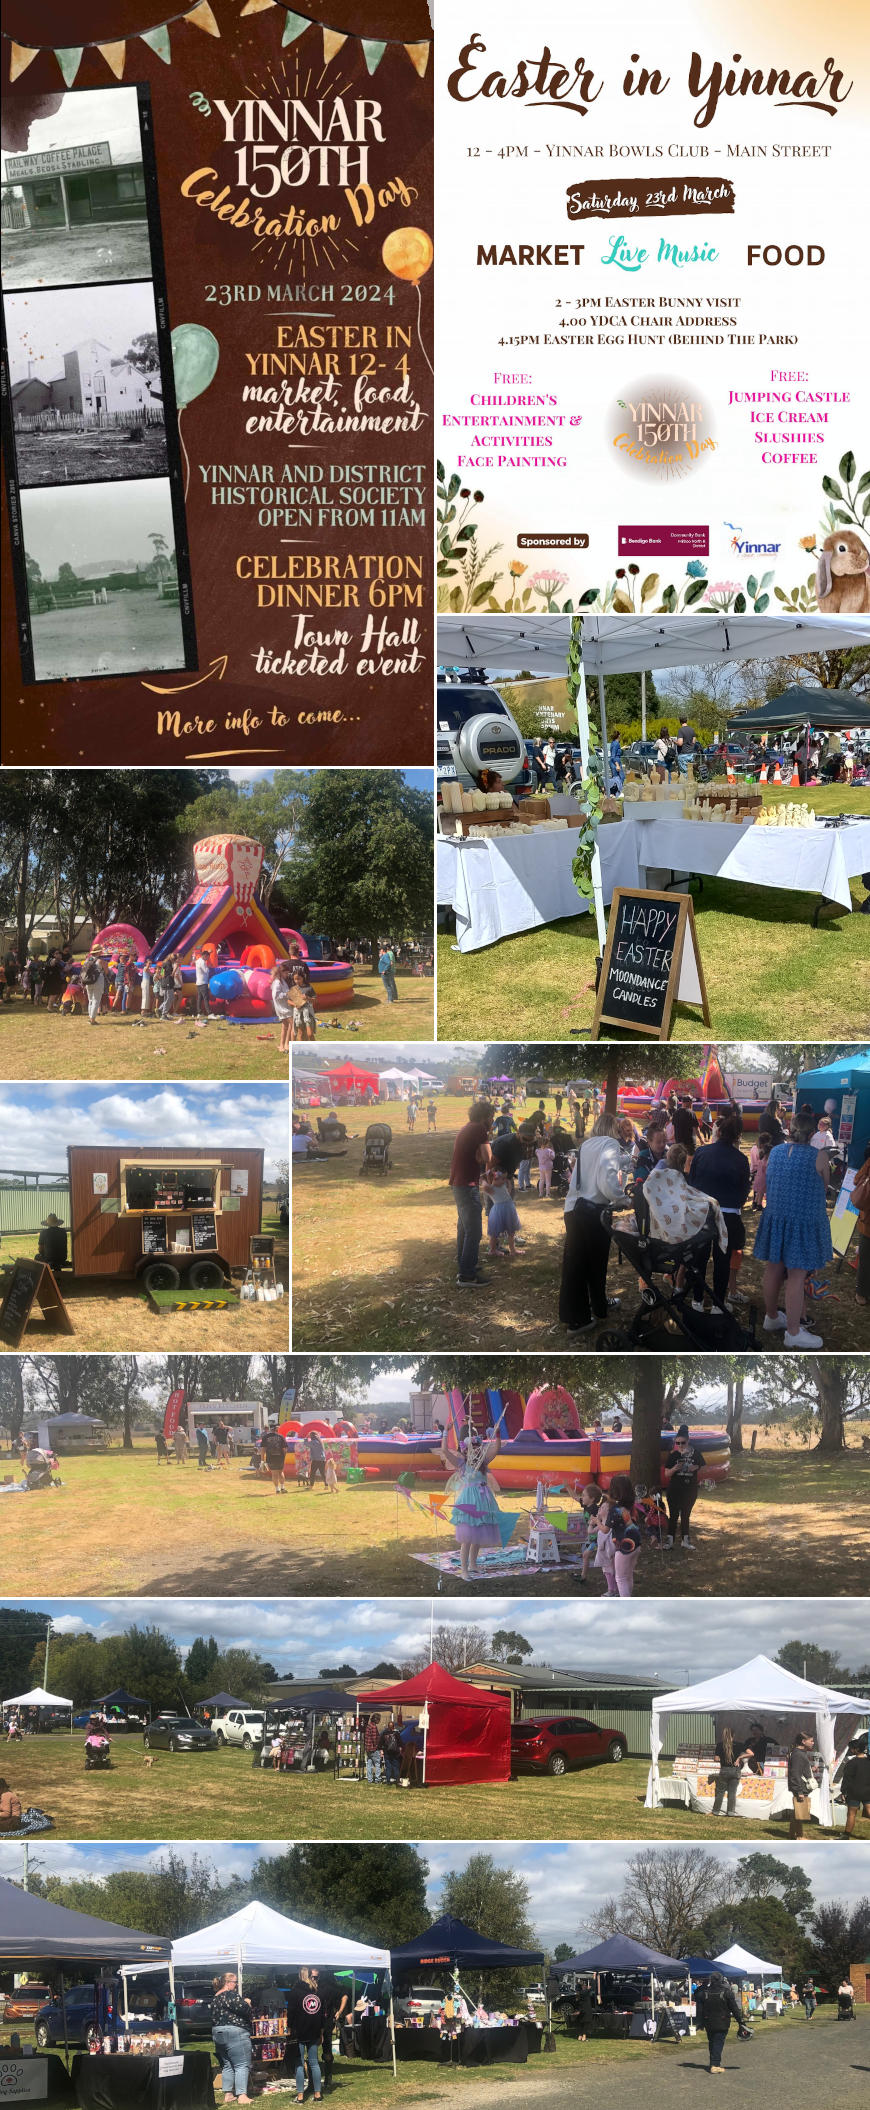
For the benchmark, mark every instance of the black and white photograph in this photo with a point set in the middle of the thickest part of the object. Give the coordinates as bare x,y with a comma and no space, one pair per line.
102,579
85,387
73,208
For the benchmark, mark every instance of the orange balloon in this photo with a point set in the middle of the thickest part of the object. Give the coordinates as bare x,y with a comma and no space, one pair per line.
408,252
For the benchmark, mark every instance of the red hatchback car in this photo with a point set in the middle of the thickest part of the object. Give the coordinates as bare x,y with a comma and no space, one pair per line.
554,1742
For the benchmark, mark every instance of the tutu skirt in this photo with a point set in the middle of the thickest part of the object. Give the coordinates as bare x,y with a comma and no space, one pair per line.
474,1512
502,1218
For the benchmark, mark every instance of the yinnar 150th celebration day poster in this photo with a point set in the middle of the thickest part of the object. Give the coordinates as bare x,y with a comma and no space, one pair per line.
217,381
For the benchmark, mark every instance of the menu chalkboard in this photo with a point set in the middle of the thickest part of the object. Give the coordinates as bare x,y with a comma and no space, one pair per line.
648,963
31,1282
204,1234
154,1234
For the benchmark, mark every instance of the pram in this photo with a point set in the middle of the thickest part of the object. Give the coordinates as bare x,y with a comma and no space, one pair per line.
376,1149
98,1754
665,1305
560,1179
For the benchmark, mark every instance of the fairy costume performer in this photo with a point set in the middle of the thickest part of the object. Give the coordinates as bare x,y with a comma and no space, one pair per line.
475,1512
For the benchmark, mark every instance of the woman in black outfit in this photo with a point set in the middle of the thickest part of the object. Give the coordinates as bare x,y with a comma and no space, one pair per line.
716,2008
721,1170
306,2020
683,1464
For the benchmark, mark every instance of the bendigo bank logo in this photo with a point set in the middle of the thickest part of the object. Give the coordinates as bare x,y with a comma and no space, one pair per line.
744,548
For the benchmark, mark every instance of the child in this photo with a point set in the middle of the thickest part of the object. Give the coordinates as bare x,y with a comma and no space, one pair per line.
275,1753
331,1475
590,1499
302,1001
758,1157
546,1157
503,1220
474,1513
431,1118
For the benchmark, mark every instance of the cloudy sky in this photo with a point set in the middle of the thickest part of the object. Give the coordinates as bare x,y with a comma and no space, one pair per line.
96,523
85,118
646,1635
39,1120
567,1880
41,327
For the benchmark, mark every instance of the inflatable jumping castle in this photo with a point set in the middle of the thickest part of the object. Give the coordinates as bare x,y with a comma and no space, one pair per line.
224,918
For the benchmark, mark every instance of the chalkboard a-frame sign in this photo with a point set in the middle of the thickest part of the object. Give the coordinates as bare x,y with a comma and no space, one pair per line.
651,959
31,1282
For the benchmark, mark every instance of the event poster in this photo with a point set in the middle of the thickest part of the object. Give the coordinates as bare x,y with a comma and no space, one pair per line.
217,374
651,365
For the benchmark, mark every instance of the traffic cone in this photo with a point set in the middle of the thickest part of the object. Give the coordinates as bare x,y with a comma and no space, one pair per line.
763,777
777,775
729,769
795,779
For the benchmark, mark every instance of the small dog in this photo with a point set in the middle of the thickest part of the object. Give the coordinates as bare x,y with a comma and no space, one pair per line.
148,1759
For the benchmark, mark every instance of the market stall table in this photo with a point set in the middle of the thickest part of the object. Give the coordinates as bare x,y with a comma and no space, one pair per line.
43,2079
815,860
127,2081
504,2044
496,889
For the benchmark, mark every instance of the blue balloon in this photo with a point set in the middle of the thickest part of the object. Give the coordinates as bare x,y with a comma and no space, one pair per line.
228,984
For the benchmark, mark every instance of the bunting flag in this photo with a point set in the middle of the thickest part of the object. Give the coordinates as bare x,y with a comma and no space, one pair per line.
201,16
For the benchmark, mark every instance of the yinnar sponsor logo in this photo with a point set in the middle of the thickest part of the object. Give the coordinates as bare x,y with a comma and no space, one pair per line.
742,548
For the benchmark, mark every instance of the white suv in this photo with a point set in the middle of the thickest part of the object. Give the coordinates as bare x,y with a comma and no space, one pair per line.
240,1725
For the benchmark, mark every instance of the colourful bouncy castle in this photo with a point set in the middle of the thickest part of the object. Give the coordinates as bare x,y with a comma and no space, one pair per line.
543,1438
708,1090
224,919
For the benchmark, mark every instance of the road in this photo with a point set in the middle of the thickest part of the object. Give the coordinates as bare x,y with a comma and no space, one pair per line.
802,2064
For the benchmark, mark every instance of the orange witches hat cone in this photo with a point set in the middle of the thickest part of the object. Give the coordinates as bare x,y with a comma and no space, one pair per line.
730,771
777,775
795,779
762,780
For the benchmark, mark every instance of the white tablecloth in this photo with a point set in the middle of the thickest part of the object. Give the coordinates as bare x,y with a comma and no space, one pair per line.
497,889
803,860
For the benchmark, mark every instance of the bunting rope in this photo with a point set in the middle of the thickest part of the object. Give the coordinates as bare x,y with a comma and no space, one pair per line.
69,57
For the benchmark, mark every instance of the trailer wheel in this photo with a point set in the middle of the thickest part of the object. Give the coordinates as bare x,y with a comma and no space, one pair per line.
206,1274
161,1275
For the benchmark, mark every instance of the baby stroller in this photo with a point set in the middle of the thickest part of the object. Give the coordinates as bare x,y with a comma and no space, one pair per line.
98,1753
376,1149
560,1179
664,1302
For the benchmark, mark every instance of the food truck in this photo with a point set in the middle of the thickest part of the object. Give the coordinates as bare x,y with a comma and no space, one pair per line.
163,1216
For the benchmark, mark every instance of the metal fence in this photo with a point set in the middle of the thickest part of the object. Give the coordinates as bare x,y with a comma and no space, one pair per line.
78,421
25,1208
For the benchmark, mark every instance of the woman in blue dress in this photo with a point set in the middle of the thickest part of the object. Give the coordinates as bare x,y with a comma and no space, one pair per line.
794,1235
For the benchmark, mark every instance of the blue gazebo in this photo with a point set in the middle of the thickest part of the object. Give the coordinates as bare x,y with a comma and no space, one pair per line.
834,1081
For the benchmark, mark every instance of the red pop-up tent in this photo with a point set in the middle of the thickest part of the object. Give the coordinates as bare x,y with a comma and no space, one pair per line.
351,1076
468,1737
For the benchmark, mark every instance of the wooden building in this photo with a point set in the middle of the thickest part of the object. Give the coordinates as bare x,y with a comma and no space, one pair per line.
72,186
163,1214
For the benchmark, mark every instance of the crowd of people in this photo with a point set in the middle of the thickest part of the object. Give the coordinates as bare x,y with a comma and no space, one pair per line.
687,1181
820,758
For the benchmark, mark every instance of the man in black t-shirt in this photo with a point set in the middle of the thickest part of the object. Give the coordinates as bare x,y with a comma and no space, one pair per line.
336,2005
683,1464
685,1125
686,738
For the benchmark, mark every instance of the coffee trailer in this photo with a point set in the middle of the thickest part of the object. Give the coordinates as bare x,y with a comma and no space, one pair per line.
164,1216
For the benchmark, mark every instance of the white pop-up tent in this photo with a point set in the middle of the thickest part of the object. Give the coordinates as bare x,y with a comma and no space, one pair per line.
740,1959
762,1691
37,1698
631,644
258,1938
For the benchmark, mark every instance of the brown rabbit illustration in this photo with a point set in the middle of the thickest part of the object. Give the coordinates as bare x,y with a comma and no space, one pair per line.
843,575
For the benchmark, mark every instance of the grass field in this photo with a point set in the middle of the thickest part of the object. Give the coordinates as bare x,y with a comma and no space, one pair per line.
187,1795
41,1044
375,1260
134,632
768,972
123,1525
62,256
110,1315
92,456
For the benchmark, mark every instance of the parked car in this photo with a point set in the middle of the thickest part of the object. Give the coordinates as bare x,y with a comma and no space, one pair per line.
240,1725
640,755
79,2013
193,2007
22,2004
554,1743
418,2002
535,1994
178,1732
